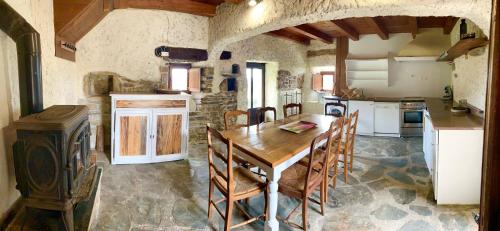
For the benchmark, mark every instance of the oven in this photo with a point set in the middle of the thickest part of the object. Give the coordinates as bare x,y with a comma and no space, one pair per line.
412,117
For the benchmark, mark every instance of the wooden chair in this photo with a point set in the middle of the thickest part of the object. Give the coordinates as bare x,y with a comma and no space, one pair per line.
337,132
335,104
262,113
347,147
299,181
231,119
292,106
235,184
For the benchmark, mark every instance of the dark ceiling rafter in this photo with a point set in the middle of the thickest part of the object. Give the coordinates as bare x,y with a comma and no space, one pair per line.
413,26
346,29
449,24
379,27
312,33
352,28
285,33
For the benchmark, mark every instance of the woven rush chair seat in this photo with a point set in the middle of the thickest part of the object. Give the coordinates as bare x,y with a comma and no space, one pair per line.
245,181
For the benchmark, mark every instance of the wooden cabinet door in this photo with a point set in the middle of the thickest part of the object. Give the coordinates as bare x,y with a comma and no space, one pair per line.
169,134
132,136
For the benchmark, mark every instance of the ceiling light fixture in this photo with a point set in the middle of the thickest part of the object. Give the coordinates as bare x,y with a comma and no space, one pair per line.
253,2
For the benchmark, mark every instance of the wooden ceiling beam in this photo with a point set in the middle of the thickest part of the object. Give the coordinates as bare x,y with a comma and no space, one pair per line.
379,27
312,33
183,6
346,29
449,23
413,26
287,35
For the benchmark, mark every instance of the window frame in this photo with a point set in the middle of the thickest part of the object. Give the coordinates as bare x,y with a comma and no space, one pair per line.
186,66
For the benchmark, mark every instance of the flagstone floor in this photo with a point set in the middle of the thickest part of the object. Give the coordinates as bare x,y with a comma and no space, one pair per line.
389,189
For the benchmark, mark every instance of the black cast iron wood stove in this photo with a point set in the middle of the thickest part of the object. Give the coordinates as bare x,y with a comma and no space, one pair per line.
52,160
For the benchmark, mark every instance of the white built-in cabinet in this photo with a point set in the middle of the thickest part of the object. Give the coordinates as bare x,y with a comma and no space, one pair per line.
387,119
367,72
149,128
376,118
366,116
454,160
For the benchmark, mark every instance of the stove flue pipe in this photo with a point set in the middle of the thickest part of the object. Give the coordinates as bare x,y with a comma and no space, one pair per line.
28,56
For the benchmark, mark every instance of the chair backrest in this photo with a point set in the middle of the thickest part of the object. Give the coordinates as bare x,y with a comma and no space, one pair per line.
292,106
351,124
335,104
336,141
318,154
262,113
231,119
227,159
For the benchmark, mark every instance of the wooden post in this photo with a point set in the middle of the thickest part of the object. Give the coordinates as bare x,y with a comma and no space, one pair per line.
490,190
340,67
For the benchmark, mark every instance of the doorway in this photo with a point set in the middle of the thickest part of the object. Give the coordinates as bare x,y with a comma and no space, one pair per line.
256,75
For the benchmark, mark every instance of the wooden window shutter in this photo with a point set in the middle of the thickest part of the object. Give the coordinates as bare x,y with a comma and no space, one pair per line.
317,82
194,80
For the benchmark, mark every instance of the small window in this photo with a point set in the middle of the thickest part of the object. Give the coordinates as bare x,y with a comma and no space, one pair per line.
327,82
179,77
324,82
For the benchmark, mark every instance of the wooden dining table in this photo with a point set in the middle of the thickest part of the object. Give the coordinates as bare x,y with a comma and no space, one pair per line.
273,150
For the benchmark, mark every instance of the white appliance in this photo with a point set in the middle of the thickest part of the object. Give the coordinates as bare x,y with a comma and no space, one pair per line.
387,119
366,116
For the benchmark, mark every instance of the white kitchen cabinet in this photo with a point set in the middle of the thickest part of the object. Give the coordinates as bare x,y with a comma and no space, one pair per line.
366,116
386,119
454,159
149,128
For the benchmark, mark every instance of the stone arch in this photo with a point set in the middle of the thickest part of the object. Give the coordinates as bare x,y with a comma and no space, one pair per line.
238,22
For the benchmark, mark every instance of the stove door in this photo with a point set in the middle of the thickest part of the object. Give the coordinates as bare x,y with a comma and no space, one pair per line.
412,118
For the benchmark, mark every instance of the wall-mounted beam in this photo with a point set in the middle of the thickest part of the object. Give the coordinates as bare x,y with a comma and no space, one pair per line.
290,36
312,33
413,26
449,24
379,27
346,29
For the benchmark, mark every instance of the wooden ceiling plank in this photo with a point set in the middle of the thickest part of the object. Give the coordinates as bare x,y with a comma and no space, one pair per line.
183,6
449,23
379,27
413,26
312,33
346,29
234,1
287,35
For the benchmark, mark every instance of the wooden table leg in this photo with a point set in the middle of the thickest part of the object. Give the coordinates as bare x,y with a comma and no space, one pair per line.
272,223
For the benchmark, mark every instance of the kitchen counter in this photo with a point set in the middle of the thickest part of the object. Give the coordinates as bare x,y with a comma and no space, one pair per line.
375,99
443,118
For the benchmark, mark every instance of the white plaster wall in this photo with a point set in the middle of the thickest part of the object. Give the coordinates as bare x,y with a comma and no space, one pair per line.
425,79
471,72
59,75
9,98
285,54
313,101
124,42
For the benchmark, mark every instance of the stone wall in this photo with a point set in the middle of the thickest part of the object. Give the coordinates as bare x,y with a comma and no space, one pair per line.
287,81
97,86
211,108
